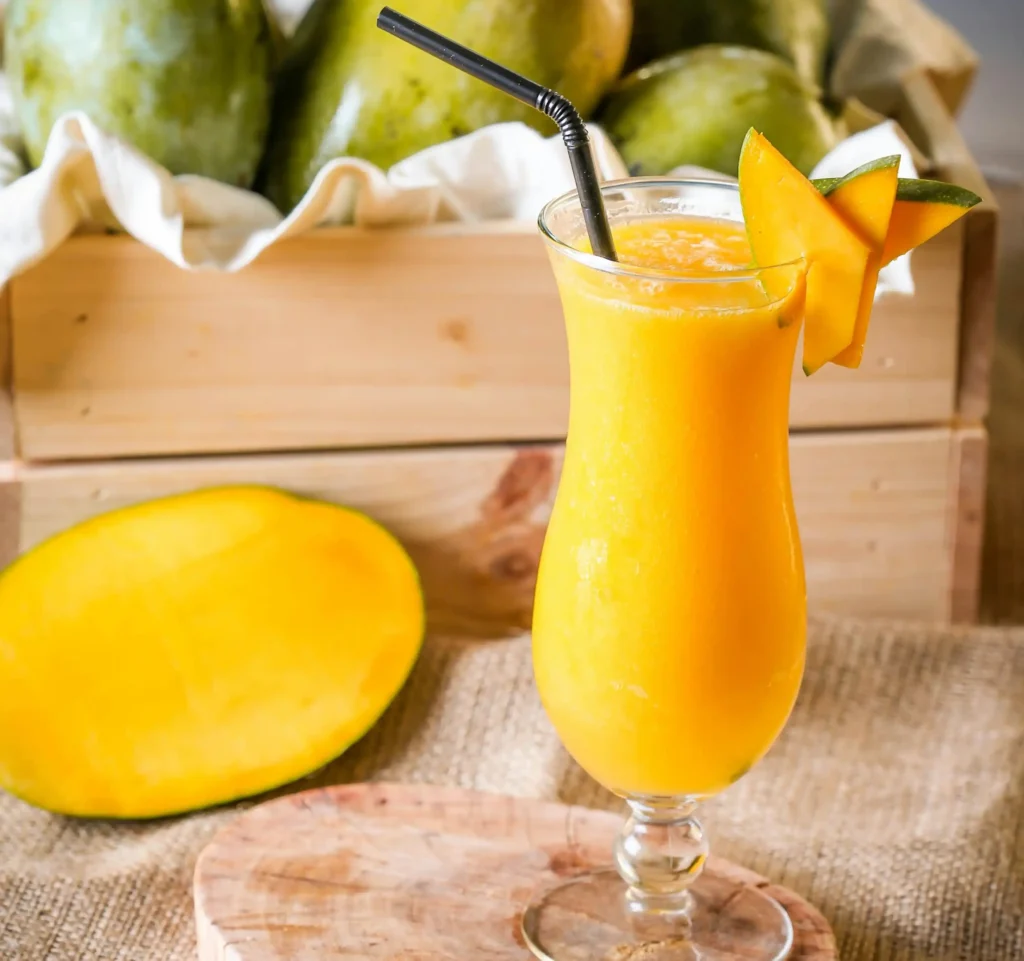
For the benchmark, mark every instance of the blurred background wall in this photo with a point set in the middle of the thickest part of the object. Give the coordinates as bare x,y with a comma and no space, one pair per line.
993,118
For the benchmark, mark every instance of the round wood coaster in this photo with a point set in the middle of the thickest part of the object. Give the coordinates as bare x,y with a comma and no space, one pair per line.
410,872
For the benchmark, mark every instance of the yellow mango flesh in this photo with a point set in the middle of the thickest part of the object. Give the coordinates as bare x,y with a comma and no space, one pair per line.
914,222
788,219
865,201
197,649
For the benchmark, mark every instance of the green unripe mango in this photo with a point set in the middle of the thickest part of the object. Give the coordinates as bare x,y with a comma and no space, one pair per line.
187,82
796,30
696,107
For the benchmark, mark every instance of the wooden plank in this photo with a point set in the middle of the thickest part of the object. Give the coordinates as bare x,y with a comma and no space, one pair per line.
10,488
873,509
7,446
349,338
924,116
968,471
335,339
10,515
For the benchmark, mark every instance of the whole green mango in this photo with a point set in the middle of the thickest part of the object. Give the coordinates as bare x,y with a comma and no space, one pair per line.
661,27
797,30
187,82
695,108
349,89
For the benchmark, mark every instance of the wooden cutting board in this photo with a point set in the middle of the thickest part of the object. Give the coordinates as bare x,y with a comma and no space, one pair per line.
409,872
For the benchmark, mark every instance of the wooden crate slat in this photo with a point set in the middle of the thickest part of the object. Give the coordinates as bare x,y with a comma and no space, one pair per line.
338,338
7,445
924,116
968,474
352,338
874,509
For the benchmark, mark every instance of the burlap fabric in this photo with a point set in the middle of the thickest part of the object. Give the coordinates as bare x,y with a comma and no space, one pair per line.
894,801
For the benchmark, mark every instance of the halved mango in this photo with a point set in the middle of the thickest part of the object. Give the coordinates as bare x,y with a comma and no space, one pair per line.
788,219
923,209
198,648
864,198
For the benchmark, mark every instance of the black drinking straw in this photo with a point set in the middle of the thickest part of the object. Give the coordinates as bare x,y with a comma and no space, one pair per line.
574,133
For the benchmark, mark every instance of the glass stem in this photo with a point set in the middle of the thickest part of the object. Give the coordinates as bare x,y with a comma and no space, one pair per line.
659,853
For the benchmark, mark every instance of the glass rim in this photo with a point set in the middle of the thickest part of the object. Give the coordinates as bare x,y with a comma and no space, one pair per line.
695,275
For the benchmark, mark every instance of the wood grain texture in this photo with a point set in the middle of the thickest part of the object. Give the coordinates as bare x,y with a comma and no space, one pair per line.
10,517
925,117
7,445
10,487
412,872
351,338
873,507
968,473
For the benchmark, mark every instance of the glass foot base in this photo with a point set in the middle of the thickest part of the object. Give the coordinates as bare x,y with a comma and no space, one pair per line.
589,919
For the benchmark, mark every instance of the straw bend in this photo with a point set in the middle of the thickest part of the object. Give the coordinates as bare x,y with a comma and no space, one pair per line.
572,127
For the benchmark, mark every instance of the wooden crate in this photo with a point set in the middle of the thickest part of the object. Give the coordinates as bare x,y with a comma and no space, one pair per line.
354,343
890,520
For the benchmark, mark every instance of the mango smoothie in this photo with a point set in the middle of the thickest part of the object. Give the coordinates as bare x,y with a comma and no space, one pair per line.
669,625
